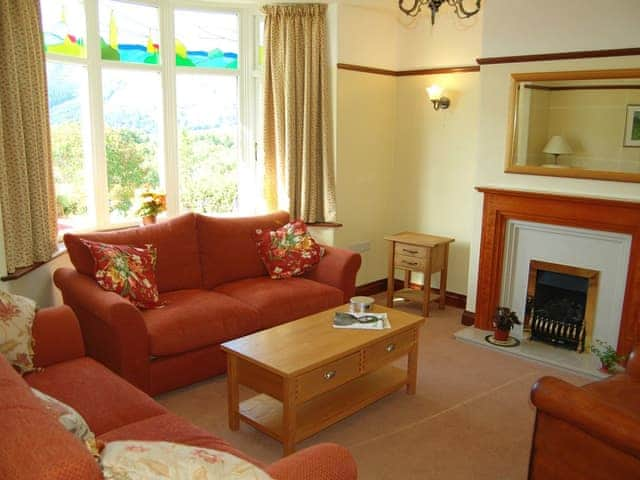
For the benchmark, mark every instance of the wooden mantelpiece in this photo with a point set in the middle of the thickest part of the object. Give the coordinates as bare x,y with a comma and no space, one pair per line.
609,215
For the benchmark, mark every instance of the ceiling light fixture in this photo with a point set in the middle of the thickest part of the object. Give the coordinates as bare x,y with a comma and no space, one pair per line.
434,5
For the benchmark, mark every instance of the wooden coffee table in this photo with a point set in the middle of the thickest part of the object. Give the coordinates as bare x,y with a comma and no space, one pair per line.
309,375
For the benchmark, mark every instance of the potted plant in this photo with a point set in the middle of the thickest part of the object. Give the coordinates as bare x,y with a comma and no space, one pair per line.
609,358
503,321
150,205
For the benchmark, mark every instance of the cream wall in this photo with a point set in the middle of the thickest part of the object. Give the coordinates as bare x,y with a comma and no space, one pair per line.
365,165
436,154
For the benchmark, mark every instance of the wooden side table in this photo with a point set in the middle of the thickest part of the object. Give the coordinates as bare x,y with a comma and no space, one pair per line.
418,252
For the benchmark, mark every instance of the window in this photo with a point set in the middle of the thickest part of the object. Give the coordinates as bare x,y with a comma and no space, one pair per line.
152,95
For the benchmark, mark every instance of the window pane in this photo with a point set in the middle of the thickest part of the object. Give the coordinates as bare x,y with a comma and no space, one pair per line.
260,42
129,32
67,100
132,112
63,25
208,143
207,40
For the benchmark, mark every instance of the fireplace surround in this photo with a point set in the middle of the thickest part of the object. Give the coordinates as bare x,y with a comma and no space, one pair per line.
501,205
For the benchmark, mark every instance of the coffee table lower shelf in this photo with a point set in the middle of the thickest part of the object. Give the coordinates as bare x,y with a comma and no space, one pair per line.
265,413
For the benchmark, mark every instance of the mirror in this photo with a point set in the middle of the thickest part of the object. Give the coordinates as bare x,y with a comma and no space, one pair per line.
583,124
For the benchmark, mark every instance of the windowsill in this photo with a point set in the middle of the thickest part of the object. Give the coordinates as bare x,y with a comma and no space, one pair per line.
325,225
21,272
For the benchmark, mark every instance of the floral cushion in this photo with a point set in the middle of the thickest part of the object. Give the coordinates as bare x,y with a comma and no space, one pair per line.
70,419
16,319
288,251
138,460
128,271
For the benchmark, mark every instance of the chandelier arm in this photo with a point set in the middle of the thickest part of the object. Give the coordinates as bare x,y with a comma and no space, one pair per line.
413,11
461,12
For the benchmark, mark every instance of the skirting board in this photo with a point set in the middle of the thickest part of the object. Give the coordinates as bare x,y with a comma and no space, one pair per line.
452,299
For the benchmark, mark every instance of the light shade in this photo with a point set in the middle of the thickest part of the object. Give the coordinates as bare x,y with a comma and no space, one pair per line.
434,92
557,145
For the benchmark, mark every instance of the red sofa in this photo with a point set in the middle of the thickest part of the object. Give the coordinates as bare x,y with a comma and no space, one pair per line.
216,289
34,446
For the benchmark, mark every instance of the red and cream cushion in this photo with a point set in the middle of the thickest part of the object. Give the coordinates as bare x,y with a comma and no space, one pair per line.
126,270
287,251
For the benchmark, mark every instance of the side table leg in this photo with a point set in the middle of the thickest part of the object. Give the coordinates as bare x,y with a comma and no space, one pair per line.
443,276
427,284
412,367
288,418
390,275
233,392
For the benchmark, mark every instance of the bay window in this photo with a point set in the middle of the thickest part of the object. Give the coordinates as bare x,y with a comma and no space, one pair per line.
159,95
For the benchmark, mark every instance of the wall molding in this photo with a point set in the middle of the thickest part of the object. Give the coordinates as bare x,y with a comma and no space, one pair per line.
406,73
542,57
453,299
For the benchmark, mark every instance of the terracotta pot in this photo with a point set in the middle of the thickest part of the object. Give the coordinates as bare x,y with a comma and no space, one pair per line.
149,220
501,335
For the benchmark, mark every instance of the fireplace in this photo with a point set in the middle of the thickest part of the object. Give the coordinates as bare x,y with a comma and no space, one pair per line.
500,206
560,305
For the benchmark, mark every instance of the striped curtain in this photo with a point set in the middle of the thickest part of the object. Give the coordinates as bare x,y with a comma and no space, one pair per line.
27,199
299,170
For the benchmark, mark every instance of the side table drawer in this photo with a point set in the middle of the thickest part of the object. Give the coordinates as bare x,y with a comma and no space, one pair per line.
410,250
410,263
385,351
327,377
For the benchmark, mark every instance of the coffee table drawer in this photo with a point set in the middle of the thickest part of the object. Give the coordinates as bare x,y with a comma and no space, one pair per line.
327,377
383,352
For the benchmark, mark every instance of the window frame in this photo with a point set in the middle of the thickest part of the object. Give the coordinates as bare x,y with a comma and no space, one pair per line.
249,77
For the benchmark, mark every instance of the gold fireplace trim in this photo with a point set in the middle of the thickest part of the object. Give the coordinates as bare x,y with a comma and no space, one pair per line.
592,292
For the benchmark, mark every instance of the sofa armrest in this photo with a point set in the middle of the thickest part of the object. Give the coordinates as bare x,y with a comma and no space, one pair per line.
586,412
338,268
56,336
113,328
325,461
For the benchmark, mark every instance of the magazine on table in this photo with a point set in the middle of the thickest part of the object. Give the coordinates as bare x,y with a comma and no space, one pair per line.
361,321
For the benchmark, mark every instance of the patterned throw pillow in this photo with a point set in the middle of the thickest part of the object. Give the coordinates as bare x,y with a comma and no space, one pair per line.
138,460
16,319
288,251
128,271
70,419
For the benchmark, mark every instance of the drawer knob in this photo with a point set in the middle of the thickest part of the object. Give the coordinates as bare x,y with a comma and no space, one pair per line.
409,263
329,375
391,347
413,252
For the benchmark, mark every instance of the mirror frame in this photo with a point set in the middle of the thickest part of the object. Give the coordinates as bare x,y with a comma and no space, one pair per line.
561,172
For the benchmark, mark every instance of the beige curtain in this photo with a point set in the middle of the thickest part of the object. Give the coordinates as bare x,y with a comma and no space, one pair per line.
27,200
299,173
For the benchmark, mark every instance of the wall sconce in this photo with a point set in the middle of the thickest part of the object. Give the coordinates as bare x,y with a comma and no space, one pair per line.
435,95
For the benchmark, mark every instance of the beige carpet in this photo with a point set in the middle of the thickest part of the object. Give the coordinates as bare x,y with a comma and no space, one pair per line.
470,419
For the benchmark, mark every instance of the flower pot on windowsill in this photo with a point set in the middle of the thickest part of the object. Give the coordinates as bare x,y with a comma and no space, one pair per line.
149,220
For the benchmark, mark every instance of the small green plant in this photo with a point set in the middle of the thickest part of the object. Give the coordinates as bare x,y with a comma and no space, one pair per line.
505,319
607,355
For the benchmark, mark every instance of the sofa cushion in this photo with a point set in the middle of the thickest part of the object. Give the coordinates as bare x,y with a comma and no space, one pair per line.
284,300
16,342
192,319
176,241
169,427
288,251
145,459
228,249
113,404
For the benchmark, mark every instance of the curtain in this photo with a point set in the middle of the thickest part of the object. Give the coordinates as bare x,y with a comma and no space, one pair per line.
299,172
27,200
